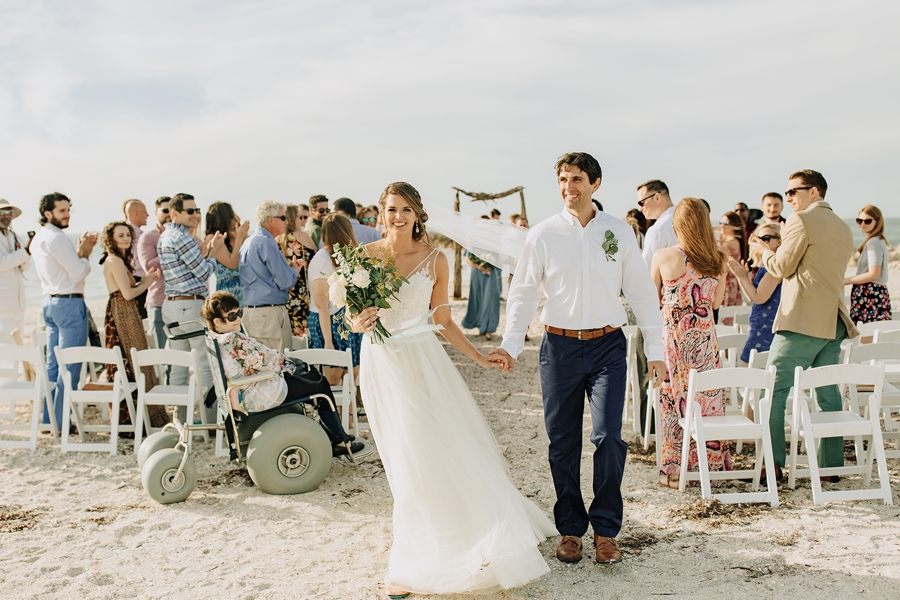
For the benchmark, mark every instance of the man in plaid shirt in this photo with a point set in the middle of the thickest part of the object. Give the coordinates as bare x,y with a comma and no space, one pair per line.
186,267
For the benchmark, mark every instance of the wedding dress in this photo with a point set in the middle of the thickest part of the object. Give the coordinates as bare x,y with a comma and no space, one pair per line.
460,525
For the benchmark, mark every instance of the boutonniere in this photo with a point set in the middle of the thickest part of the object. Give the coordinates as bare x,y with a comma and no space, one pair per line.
610,245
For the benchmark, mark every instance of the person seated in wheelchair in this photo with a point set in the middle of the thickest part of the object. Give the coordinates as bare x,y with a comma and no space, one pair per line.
243,356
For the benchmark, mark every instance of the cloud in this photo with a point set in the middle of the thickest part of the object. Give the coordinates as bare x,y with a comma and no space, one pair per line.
245,101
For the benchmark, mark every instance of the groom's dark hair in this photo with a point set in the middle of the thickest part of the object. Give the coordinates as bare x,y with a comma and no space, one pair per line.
583,161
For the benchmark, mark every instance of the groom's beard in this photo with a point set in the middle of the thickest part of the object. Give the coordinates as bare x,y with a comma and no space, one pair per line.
58,223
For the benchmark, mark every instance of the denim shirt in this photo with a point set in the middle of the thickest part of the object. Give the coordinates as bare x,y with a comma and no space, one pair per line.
264,271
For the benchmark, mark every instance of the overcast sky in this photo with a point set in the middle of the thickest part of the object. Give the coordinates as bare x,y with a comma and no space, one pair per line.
243,101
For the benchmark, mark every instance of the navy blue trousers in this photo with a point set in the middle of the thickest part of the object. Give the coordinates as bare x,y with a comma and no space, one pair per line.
571,368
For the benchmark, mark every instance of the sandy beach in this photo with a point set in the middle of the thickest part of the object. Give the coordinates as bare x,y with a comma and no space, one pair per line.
81,526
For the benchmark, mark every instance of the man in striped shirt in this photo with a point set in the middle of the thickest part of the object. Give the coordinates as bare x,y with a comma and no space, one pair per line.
186,267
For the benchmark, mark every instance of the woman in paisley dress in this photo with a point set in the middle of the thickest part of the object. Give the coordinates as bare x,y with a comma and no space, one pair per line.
220,218
296,242
690,278
764,292
123,324
460,524
733,242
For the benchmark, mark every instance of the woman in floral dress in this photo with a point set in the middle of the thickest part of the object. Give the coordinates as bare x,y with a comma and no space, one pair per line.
733,242
690,279
296,242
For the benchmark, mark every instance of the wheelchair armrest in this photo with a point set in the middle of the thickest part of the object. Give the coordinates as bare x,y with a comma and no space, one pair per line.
239,382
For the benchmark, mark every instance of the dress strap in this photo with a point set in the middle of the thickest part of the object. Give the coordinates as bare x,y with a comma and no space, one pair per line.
684,254
424,260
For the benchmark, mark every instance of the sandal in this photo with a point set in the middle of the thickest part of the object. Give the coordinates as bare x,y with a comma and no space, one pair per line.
670,481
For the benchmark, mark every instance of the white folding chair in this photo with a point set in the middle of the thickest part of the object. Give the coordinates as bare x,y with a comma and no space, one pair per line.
813,426
730,312
344,394
729,427
889,354
38,393
9,371
163,394
722,330
654,413
869,330
101,395
299,342
887,335
632,390
730,348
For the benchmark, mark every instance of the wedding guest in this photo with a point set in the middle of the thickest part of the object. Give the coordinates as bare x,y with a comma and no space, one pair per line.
377,222
495,214
243,356
733,241
123,321
869,297
744,213
136,217
772,205
812,319
363,234
764,292
318,206
369,217
512,218
637,215
690,280
655,203
187,265
14,259
583,350
296,243
149,259
267,277
522,222
62,269
335,334
221,218
483,310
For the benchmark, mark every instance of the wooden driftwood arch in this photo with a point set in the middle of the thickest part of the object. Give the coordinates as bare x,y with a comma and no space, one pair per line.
479,197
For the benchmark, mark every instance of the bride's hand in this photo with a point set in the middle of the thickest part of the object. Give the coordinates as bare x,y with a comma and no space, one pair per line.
365,320
491,361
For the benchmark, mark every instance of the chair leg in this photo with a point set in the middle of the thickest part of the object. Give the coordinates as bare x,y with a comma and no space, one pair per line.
140,422
792,460
67,424
647,419
702,459
35,419
880,458
686,436
811,452
657,419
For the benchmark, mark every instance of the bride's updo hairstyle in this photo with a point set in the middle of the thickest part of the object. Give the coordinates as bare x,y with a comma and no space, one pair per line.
412,197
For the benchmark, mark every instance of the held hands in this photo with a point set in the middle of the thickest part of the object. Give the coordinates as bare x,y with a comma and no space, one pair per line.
365,320
656,370
508,361
492,361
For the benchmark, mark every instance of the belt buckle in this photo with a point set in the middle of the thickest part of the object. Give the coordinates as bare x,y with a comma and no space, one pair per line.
579,334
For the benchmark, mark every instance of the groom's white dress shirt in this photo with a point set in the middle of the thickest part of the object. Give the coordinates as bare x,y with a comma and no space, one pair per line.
56,260
660,235
581,284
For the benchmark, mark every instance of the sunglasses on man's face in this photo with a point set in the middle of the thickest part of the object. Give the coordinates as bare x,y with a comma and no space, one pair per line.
793,191
164,211
866,221
643,200
766,238
303,217
191,211
282,217
323,211
234,315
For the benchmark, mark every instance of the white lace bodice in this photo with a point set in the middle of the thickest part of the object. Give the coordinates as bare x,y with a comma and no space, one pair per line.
414,298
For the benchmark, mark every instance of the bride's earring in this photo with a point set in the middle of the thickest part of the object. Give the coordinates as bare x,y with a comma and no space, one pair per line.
416,228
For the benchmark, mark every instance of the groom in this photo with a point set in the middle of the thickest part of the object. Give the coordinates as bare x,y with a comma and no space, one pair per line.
581,258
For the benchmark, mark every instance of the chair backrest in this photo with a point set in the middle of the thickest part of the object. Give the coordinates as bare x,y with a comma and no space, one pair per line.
726,312
840,375
887,335
16,353
863,353
153,357
760,382
84,355
333,358
758,360
730,347
726,330
869,329
11,373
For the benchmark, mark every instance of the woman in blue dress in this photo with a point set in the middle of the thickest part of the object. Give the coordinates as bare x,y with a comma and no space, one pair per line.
764,292
483,311
220,218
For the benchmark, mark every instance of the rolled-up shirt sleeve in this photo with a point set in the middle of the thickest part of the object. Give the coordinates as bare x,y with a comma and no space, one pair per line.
640,292
523,296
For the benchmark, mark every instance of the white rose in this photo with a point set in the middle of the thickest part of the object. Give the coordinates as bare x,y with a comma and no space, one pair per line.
360,278
337,291
333,277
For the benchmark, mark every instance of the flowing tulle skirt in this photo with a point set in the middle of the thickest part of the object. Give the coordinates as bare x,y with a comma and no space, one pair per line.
460,525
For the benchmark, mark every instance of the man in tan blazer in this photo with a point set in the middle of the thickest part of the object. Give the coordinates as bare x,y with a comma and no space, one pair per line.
812,318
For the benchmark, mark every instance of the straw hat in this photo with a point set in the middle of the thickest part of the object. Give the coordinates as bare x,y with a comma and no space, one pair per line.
5,204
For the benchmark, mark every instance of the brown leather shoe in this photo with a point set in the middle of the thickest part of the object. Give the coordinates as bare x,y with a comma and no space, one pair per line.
779,475
607,550
569,549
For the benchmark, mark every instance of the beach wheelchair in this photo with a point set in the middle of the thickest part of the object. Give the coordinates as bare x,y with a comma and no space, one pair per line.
285,448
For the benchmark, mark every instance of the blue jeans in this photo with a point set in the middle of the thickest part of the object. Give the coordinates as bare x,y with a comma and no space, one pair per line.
154,313
67,326
571,368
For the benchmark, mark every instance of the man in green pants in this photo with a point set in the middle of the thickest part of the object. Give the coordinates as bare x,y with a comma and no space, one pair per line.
812,318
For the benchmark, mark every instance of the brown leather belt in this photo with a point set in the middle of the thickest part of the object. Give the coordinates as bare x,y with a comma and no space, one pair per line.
194,297
581,334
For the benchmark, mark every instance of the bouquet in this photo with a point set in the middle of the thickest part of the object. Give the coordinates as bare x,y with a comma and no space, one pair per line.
361,281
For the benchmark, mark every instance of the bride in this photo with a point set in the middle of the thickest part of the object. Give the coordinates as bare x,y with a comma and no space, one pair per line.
460,525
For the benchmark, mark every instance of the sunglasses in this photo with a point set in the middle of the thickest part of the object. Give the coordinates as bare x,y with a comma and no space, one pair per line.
368,219
793,191
866,221
323,211
164,211
766,238
282,217
642,200
6,212
234,315
303,217
191,211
